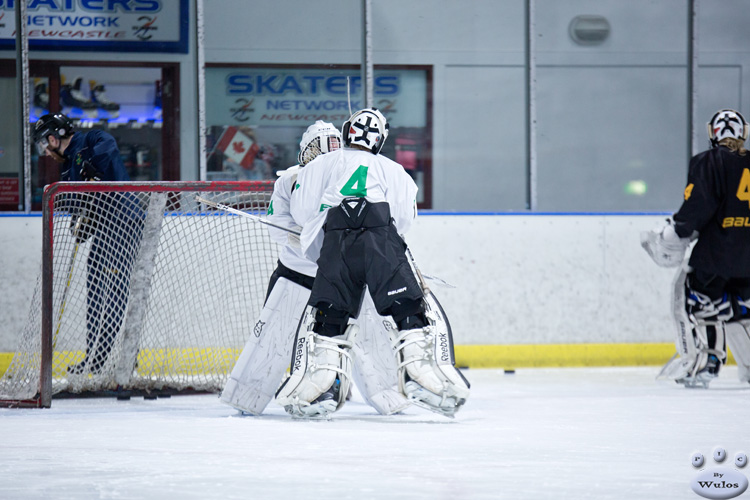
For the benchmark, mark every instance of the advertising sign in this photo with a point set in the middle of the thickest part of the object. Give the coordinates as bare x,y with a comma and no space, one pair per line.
298,97
108,25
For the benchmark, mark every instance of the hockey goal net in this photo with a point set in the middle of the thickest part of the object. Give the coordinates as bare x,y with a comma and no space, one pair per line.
143,288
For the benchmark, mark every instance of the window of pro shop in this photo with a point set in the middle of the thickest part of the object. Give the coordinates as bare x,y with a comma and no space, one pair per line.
255,116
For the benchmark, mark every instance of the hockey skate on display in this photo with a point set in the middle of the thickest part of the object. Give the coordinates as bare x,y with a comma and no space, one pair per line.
41,97
99,98
320,374
72,96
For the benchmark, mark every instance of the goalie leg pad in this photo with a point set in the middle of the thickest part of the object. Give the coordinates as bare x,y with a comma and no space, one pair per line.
375,370
738,338
262,364
320,374
710,345
700,342
427,375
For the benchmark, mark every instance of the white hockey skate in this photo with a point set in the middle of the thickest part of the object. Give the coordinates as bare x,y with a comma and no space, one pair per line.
427,375
320,374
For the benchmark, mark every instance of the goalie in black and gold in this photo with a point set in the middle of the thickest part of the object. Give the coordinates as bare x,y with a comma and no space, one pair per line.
712,290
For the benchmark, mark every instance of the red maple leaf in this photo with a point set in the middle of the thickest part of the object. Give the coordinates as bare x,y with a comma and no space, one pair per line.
238,146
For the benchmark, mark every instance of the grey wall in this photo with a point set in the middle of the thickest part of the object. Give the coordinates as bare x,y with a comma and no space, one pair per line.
519,279
606,115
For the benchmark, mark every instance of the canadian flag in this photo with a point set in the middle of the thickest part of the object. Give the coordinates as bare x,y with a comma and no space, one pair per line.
238,147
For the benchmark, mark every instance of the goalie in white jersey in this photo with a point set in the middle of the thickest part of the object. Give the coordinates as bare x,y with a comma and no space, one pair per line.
265,357
353,204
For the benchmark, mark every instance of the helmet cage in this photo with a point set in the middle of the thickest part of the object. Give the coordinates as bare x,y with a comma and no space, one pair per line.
727,123
317,147
368,128
319,138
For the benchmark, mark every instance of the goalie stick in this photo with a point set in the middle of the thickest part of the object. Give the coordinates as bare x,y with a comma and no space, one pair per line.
226,208
256,218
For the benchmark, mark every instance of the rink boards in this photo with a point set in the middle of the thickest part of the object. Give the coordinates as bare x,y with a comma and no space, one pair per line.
530,289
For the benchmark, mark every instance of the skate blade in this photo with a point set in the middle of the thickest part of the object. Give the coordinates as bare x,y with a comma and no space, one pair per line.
315,411
419,396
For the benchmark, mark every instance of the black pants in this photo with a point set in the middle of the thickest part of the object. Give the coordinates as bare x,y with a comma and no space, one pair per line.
716,287
110,262
361,247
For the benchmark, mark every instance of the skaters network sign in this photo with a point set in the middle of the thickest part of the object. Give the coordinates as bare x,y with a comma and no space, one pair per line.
113,25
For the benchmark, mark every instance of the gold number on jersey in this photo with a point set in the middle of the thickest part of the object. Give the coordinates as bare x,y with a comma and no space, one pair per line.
688,191
743,190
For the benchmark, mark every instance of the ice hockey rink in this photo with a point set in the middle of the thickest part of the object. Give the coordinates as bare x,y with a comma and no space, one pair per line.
588,433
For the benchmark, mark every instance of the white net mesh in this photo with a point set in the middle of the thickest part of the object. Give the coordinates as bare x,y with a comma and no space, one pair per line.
157,292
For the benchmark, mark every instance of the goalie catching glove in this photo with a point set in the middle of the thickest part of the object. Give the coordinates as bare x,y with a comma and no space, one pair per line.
664,246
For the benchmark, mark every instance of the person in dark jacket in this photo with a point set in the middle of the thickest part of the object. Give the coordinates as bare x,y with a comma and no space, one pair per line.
112,221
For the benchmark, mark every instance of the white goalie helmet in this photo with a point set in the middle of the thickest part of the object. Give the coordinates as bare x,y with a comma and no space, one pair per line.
727,123
367,127
319,138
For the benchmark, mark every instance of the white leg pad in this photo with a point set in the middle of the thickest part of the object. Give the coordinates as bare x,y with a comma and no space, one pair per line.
427,375
262,364
375,370
318,363
738,339
691,342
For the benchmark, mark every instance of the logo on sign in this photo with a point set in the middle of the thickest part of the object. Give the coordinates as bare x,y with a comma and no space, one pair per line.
147,26
243,109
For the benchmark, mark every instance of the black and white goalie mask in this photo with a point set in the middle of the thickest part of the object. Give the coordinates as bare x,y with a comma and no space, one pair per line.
319,138
727,123
367,127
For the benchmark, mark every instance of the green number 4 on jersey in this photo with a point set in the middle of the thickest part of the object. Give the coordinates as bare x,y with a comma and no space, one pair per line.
357,183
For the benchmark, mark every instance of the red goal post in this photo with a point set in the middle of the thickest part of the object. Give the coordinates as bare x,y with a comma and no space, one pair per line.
143,290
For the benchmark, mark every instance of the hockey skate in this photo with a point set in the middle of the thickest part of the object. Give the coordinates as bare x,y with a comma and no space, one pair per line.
705,375
72,97
85,367
41,97
427,375
99,98
320,375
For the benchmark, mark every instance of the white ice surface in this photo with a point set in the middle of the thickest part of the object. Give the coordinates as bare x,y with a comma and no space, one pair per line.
611,433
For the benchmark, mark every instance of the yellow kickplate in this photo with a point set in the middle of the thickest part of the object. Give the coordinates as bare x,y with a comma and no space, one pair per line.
195,361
